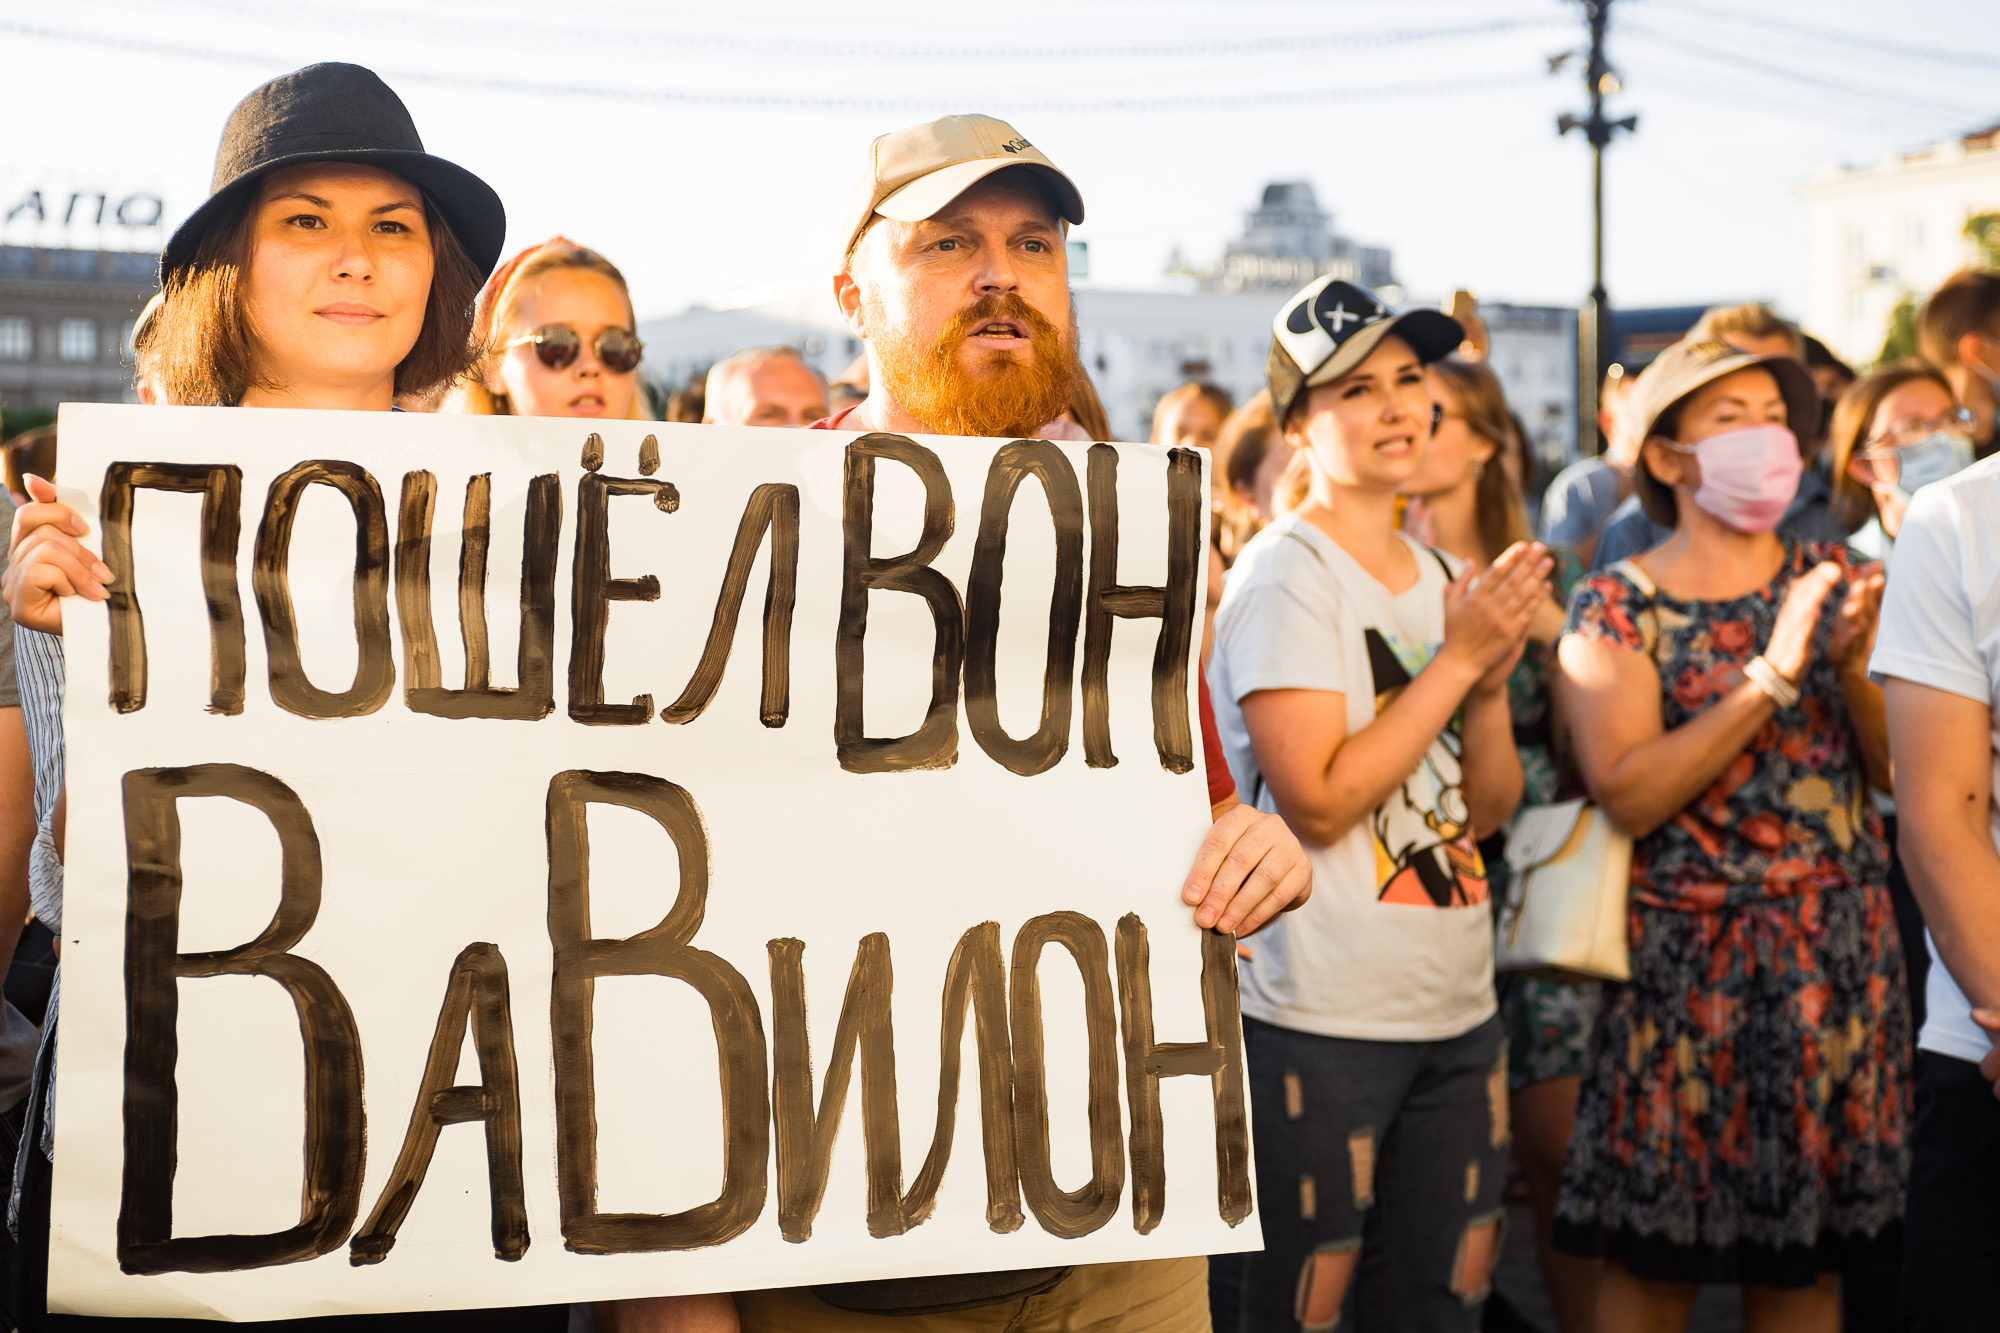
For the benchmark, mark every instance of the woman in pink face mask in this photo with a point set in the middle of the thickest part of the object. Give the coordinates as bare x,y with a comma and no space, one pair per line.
1745,1110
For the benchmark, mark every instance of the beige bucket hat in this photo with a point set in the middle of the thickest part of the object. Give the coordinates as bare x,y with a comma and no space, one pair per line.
1687,366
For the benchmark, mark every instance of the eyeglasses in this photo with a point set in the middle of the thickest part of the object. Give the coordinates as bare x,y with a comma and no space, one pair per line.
1903,433
556,346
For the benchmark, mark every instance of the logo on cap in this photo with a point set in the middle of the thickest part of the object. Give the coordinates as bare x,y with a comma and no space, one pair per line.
1324,318
1710,349
1015,145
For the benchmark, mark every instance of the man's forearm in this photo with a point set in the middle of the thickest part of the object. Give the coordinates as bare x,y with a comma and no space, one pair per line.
1955,872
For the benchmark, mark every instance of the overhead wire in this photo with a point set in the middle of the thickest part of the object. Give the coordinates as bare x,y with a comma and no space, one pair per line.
1840,85
765,45
1872,43
802,101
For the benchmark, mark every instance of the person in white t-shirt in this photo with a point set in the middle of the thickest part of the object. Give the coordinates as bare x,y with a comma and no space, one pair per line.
1938,656
1360,681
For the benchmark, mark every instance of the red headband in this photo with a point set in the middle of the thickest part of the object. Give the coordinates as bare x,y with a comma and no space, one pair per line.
489,295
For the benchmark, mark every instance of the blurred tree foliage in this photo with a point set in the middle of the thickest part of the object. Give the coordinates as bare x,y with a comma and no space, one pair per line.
1983,230
14,420
1901,342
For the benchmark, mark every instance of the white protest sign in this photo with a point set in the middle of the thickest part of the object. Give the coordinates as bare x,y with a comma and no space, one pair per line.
512,864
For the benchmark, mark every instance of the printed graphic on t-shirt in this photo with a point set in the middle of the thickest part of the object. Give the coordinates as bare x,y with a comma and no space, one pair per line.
1424,852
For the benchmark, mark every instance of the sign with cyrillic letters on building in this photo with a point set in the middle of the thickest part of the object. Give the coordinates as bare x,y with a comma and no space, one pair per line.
518,861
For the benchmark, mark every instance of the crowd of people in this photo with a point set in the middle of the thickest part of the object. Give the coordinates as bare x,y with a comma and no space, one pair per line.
1705,640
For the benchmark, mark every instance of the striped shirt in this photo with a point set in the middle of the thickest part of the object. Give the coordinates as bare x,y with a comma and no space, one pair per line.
38,664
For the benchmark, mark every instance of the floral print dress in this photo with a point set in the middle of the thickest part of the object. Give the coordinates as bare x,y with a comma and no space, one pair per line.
1745,1112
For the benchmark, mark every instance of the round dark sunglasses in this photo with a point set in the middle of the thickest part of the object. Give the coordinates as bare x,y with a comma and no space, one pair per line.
556,346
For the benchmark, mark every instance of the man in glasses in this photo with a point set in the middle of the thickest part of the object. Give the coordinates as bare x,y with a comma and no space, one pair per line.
764,386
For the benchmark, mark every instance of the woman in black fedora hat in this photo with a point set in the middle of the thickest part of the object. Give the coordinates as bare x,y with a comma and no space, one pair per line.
334,263
333,266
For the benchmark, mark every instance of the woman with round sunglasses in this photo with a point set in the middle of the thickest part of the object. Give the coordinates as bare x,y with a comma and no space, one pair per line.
555,326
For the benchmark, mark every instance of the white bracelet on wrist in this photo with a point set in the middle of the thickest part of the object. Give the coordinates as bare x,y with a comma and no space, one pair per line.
1759,672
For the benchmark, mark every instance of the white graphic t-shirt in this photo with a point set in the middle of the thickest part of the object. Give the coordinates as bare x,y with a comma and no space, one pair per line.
1396,942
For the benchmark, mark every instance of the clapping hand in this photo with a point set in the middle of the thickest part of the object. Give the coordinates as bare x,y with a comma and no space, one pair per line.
1487,611
1790,648
1854,624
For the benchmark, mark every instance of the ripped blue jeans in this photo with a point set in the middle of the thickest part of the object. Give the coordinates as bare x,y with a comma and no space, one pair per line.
1393,1149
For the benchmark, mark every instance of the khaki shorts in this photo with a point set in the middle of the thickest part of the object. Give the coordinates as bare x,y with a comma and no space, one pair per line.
1154,1296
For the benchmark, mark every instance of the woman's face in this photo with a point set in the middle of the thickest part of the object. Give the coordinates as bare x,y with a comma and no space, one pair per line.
1190,423
337,280
1456,452
1264,481
1913,401
1368,428
1738,401
588,302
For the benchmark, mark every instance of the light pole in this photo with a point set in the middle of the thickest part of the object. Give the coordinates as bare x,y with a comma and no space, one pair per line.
1593,340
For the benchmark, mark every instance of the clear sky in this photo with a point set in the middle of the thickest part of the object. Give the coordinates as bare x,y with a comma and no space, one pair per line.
705,148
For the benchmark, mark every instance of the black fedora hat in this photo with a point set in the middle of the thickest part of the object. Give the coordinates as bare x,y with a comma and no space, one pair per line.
338,113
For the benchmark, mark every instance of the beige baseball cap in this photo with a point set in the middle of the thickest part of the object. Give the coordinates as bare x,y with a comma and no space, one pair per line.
914,172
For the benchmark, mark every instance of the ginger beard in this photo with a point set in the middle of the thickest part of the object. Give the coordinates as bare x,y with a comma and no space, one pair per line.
1003,396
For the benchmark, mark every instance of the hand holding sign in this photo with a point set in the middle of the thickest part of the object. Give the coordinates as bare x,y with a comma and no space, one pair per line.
47,562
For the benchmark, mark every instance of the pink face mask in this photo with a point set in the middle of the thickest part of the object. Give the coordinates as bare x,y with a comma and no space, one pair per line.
1748,476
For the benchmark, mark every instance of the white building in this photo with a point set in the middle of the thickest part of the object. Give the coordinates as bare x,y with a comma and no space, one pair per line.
1211,324
1288,240
1874,234
1138,345
1533,351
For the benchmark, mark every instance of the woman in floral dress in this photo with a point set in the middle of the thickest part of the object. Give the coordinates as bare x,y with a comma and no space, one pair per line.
1744,1116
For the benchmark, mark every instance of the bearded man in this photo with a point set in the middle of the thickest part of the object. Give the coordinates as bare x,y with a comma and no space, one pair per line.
956,277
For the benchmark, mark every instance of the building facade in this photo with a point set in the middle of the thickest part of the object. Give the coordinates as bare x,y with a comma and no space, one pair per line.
1138,345
1877,234
1288,240
66,323
1532,349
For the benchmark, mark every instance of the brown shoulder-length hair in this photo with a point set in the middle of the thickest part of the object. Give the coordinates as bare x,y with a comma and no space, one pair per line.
1240,449
1854,503
1482,403
200,342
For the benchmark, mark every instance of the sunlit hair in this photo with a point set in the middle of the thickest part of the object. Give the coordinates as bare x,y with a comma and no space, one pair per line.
1240,450
145,353
1750,320
1966,302
1478,398
1854,415
1086,409
1187,393
497,322
199,342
